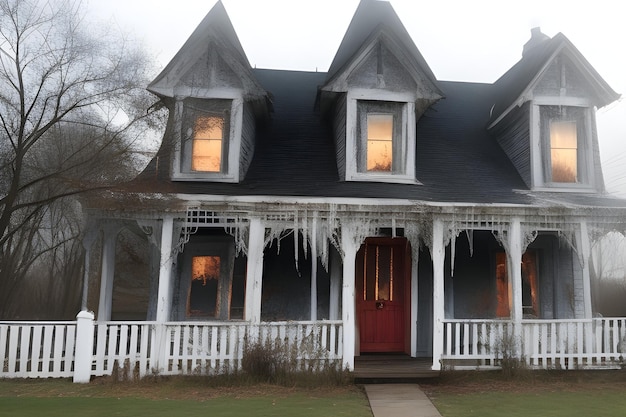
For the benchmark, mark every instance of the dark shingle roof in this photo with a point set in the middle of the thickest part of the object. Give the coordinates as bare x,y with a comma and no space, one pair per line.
457,160
516,80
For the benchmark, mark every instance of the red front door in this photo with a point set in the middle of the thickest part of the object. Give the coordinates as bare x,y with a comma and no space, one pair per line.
383,294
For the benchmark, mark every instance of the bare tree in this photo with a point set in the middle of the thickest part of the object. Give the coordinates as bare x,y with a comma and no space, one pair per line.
72,101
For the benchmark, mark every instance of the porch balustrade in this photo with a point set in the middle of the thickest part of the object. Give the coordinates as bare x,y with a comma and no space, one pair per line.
33,350
540,344
49,349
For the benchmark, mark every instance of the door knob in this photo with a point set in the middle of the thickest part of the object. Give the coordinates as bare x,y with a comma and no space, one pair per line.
380,305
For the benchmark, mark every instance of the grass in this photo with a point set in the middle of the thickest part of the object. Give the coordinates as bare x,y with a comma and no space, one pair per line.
455,394
537,393
177,396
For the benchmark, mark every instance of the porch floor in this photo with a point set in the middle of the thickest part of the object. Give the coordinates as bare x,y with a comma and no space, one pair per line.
377,368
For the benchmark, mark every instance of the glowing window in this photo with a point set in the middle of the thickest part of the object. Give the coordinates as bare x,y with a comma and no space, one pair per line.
379,142
565,146
205,284
530,299
205,136
208,135
564,151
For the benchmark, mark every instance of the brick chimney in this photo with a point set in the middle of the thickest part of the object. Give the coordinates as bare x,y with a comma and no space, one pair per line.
537,37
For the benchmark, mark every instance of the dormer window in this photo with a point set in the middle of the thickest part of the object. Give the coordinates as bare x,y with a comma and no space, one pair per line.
209,134
381,137
380,132
564,144
209,148
564,151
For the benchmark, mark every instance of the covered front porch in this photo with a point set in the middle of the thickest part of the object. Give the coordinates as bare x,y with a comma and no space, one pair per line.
329,240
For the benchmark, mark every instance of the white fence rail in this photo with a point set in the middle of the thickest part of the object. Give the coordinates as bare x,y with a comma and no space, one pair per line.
39,350
547,344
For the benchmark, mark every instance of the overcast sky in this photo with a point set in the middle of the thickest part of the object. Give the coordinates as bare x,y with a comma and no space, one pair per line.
461,40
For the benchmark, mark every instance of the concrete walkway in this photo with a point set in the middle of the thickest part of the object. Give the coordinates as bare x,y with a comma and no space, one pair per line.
399,400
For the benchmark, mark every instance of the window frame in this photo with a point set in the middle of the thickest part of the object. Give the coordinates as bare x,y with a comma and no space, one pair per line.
402,107
224,248
541,150
366,108
187,110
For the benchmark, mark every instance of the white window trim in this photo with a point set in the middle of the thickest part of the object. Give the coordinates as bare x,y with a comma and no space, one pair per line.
536,154
408,136
234,144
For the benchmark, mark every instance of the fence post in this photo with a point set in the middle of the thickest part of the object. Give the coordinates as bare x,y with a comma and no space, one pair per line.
84,347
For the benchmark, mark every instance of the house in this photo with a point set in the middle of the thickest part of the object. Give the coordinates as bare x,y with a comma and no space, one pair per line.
372,208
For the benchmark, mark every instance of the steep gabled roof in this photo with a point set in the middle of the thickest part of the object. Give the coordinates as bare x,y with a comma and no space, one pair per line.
215,32
371,19
514,85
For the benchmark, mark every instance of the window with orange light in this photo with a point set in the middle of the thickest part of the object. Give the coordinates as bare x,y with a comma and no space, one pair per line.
381,143
564,139
530,298
208,139
203,300
205,137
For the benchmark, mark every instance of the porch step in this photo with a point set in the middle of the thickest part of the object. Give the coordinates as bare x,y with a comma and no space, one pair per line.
380,369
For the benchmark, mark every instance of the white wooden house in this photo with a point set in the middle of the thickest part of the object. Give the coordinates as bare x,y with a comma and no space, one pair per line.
371,208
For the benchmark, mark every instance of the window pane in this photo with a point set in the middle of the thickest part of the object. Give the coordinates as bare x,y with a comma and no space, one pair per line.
530,300
564,151
378,277
502,287
379,142
205,276
206,154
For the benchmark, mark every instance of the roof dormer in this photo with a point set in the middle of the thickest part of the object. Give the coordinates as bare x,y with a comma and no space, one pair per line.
214,102
544,116
377,86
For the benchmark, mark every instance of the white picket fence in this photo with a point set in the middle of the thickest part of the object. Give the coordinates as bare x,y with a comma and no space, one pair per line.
37,350
546,344
137,349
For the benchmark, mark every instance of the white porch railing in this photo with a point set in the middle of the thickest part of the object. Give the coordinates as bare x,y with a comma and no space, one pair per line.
34,350
547,344
37,350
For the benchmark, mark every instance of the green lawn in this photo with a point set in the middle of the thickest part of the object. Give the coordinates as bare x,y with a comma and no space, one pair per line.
547,404
538,393
64,399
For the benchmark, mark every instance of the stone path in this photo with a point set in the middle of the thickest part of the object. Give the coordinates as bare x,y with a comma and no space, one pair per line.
399,400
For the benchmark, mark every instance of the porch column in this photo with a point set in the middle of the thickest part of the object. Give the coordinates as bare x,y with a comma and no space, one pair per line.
107,272
164,297
414,298
254,276
314,268
349,247
515,269
584,248
335,284
438,255
90,236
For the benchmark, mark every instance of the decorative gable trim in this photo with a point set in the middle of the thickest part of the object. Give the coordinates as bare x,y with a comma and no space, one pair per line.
378,64
563,54
211,59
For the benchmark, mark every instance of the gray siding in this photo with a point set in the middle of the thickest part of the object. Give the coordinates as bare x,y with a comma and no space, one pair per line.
339,130
513,136
556,277
562,73
248,131
597,165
